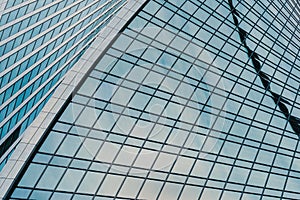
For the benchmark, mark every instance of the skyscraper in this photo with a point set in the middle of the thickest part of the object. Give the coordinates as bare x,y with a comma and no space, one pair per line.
177,100
39,42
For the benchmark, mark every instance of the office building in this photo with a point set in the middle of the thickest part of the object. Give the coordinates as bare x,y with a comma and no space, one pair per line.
39,42
177,100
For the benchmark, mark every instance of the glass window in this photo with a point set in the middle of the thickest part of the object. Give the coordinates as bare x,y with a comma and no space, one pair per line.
150,189
178,21
121,68
137,74
89,87
178,137
139,100
80,164
52,142
170,191
152,7
70,145
190,192
239,175
105,91
137,23
50,178
32,174
40,194
110,185
122,96
90,183
105,121
57,195
145,158
88,117
122,42
173,110
126,155
230,149
276,181
257,178
292,184
131,187
60,161
220,171
164,14
210,193
89,149
183,165
202,168
124,124
108,152
248,153
265,156
165,37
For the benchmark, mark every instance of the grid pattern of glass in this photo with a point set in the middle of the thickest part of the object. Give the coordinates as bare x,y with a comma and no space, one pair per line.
175,110
39,42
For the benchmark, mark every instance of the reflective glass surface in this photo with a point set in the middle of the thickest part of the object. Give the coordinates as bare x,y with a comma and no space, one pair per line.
177,108
39,42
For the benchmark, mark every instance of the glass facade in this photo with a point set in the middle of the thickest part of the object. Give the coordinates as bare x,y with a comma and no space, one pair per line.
192,100
39,42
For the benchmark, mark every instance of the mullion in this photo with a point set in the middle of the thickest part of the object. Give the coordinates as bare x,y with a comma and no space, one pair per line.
261,42
172,154
259,147
192,149
242,143
294,152
265,35
135,122
260,31
262,17
276,78
249,81
278,115
240,118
